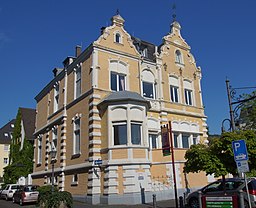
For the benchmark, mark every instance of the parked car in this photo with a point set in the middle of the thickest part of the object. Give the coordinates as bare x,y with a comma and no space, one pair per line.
232,187
8,192
26,194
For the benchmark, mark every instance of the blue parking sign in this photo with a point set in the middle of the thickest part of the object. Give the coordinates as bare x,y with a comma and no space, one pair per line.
239,150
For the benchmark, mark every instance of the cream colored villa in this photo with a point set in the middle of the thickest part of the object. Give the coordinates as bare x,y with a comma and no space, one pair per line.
107,105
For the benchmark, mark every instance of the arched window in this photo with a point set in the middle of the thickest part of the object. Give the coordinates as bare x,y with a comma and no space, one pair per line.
118,38
178,57
148,84
118,73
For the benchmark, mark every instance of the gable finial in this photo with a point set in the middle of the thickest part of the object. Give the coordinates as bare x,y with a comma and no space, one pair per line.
174,12
117,12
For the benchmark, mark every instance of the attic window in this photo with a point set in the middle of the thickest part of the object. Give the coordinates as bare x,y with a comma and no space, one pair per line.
12,125
6,134
144,52
118,38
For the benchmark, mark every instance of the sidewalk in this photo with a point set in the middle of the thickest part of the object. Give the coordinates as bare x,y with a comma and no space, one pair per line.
159,204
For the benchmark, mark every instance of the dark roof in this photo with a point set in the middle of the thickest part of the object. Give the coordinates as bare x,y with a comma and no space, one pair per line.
28,116
124,96
6,131
141,45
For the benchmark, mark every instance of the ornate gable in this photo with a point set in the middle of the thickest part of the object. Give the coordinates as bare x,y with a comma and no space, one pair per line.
175,38
115,37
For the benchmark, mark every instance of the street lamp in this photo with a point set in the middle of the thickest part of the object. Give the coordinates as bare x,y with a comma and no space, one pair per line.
53,153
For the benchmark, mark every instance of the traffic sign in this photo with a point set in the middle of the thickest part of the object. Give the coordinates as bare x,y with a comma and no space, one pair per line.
242,166
98,162
239,150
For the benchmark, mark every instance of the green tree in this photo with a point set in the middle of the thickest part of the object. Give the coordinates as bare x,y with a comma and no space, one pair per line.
218,157
20,160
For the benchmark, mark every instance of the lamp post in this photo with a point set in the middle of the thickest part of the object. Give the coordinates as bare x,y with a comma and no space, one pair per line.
53,153
238,102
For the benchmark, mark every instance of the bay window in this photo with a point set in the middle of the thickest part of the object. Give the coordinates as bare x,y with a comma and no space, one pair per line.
120,134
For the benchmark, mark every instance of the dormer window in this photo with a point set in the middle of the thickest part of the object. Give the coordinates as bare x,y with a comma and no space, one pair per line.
178,57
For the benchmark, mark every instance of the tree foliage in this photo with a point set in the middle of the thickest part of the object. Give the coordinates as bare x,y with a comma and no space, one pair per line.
218,157
20,160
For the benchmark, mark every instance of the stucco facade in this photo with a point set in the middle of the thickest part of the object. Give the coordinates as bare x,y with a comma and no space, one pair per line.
108,104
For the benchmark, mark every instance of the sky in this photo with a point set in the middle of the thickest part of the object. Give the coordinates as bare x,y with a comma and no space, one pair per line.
37,35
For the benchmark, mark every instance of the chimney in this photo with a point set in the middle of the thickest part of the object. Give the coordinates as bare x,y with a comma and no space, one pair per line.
78,50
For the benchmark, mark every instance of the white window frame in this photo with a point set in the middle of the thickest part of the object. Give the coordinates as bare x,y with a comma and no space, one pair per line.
113,132
78,82
77,140
188,96
55,138
140,128
117,33
148,77
118,76
174,93
153,90
74,179
56,97
39,150
178,57
150,136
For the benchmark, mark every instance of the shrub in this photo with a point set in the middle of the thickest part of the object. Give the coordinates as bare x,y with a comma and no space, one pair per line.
47,199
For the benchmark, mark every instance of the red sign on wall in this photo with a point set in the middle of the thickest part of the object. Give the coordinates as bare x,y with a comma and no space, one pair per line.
165,140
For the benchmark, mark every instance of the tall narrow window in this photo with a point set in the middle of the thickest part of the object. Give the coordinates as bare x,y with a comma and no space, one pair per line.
118,38
194,139
188,92
148,90
185,141
120,134
5,161
117,82
55,138
77,136
78,82
39,151
188,97
153,141
175,140
178,57
56,97
148,84
174,94
136,133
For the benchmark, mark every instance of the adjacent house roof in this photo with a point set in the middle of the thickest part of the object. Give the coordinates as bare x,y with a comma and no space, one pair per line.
28,117
6,132
145,48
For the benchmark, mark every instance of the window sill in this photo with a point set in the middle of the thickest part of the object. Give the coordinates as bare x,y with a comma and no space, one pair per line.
127,147
77,155
38,164
74,183
179,64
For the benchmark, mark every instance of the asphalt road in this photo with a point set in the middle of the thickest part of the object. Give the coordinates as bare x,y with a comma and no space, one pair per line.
162,204
9,204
